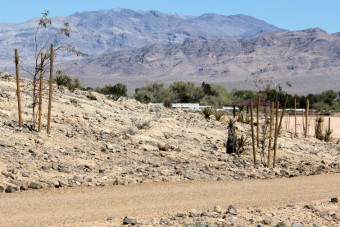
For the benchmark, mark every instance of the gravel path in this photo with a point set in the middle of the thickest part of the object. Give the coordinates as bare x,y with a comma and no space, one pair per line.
94,204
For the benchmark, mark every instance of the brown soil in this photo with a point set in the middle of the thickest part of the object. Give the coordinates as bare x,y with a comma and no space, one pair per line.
93,205
289,124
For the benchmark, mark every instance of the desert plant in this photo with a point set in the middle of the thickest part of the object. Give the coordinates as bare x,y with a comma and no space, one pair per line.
232,137
41,46
167,103
61,79
141,124
152,92
207,111
241,117
242,143
114,91
318,128
328,135
218,115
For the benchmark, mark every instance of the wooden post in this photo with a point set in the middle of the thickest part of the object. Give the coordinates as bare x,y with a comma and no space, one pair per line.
307,112
283,113
16,60
50,90
252,132
258,121
276,131
234,111
270,131
295,116
41,80
329,124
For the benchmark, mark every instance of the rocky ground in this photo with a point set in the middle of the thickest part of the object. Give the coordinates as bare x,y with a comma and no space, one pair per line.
95,141
324,213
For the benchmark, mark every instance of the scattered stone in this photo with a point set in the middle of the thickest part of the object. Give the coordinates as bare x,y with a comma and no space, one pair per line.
180,215
109,146
281,224
232,210
111,218
334,200
266,222
10,189
218,209
207,214
309,207
189,176
231,219
129,221
34,185
24,174
163,146
296,225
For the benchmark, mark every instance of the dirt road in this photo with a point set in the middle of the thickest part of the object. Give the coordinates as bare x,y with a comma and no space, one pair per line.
94,204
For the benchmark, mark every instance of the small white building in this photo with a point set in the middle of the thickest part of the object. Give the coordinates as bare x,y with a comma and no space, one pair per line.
186,106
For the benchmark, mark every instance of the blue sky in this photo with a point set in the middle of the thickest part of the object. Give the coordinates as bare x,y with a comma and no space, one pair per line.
287,14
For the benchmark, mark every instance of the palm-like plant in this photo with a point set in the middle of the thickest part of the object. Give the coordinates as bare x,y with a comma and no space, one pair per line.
207,111
232,137
318,128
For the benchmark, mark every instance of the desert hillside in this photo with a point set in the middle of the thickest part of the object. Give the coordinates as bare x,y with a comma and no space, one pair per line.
96,141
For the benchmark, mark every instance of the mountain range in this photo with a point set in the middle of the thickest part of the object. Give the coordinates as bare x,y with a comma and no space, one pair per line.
135,47
307,59
104,31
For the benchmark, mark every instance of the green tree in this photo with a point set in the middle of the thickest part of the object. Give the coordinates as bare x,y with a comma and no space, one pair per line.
219,98
243,94
152,92
186,92
116,91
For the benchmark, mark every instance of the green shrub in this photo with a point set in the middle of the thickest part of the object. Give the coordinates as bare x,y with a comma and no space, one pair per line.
207,111
218,115
116,91
328,135
63,80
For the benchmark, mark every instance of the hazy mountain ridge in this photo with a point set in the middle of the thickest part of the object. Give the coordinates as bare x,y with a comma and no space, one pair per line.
98,32
298,56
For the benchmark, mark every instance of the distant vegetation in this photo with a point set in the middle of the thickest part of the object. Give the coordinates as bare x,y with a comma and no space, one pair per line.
327,100
207,94
217,96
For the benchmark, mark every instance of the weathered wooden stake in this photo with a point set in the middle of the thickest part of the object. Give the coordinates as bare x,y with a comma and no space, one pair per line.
276,131
307,112
270,131
252,132
16,60
295,116
329,124
41,80
283,113
50,90
258,121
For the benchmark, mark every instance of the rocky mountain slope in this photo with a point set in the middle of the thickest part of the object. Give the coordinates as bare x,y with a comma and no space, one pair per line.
309,59
105,31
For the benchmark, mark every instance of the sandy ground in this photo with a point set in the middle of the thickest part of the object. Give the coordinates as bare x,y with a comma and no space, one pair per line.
70,206
289,123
